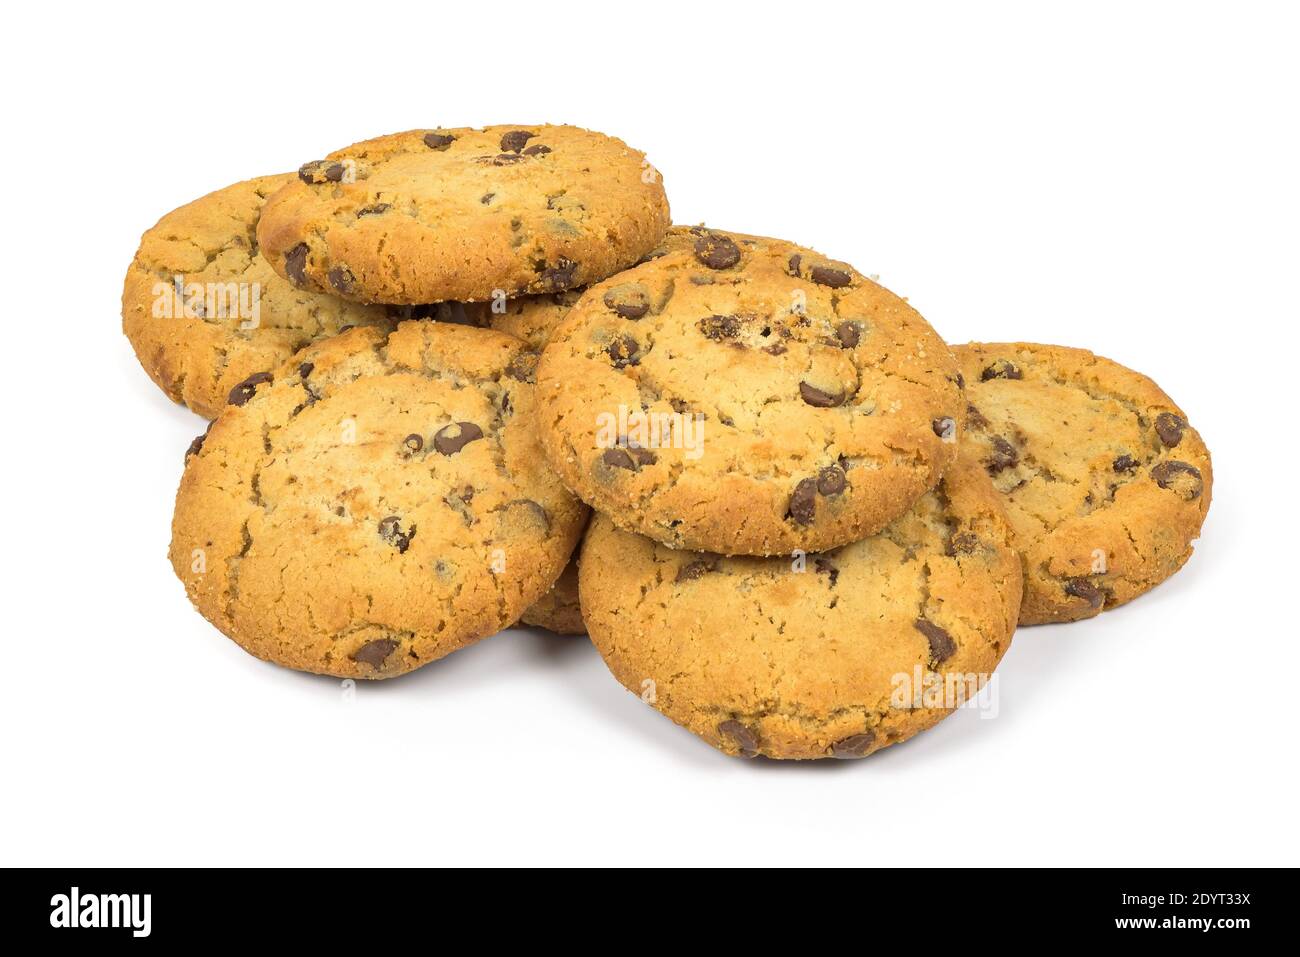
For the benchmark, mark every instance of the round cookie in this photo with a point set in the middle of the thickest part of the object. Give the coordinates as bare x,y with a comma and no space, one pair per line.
744,395
1105,482
233,316
376,503
830,658
558,610
463,214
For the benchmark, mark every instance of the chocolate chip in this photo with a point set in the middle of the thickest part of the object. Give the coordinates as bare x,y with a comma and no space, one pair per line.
795,262
523,367
1082,588
642,456
1004,456
309,172
341,278
619,458
413,442
197,445
450,439
803,501
718,328
829,276
321,171
374,209
1123,463
695,569
744,738
295,264
941,644
975,418
961,381
538,150
830,480
1170,429
1001,369
819,399
375,652
827,567
503,159
854,746
945,428
628,300
717,251
1168,473
514,141
244,390
305,369
438,141
849,333
390,530
560,276
622,352
963,543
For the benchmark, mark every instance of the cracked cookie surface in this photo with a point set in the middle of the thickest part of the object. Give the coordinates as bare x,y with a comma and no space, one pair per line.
374,504
196,355
745,395
1105,482
757,657
459,214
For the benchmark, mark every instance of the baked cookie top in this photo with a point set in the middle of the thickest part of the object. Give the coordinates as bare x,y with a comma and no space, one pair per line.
462,214
820,657
376,503
204,311
745,395
1105,482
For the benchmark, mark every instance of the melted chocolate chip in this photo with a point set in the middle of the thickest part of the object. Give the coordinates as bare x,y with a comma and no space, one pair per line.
514,141
560,276
941,644
341,278
295,264
438,141
321,171
413,442
244,390
1001,369
803,501
375,209
717,251
945,428
197,445
619,458
718,328
819,399
538,150
827,567
1170,475
963,543
744,738
622,351
1170,429
450,439
796,261
829,276
305,369
695,569
374,653
975,418
1124,463
390,530
854,746
831,480
849,333
1003,456
1082,588
628,301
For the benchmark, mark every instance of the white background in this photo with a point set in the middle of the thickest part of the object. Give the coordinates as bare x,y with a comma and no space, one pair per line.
1121,177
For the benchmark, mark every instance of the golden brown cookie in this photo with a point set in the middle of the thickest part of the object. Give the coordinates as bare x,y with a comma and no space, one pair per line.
745,395
465,214
204,311
836,655
375,504
1105,482
558,610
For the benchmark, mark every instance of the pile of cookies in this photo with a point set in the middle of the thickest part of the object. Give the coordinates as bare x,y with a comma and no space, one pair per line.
460,378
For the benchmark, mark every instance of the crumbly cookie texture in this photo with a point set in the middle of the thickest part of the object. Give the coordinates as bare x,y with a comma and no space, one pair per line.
1105,482
744,395
197,355
828,658
559,610
463,214
376,503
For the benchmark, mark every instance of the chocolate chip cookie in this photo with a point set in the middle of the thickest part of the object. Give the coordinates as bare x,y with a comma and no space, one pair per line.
837,654
464,214
744,395
376,503
558,610
204,311
1105,482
